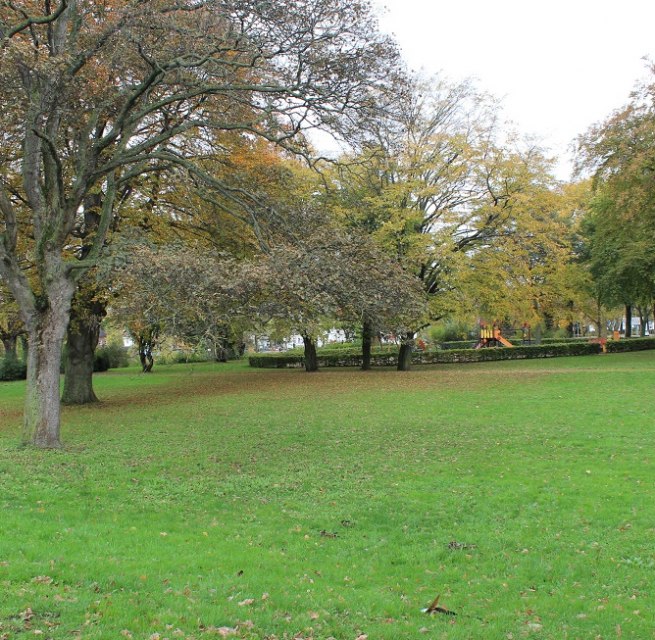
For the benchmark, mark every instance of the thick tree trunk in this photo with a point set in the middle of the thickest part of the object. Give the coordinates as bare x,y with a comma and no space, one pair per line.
81,342
311,359
146,359
9,344
367,338
45,332
87,310
628,321
405,353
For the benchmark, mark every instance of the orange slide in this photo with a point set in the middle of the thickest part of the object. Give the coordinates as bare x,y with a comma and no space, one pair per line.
499,338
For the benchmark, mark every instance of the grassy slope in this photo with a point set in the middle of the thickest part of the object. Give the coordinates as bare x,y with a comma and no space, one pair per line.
188,493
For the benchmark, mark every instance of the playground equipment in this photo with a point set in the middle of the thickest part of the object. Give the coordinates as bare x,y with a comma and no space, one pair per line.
491,336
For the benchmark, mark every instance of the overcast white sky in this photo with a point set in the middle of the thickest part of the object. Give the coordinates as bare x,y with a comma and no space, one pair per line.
558,65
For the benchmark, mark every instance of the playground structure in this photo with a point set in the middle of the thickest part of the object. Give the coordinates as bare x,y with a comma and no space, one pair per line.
492,336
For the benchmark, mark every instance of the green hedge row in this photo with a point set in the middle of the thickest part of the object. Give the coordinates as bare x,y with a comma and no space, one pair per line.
587,338
354,358
458,344
630,344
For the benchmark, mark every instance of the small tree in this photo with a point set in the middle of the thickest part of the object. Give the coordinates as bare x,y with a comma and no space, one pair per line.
329,273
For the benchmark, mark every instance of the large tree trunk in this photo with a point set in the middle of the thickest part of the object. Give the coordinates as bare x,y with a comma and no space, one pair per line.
81,342
311,359
145,357
146,341
87,310
405,353
45,333
628,321
367,338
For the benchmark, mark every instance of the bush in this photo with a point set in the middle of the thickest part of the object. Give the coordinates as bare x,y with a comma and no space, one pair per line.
116,354
353,358
338,346
276,360
12,369
630,344
112,356
458,344
100,362
450,331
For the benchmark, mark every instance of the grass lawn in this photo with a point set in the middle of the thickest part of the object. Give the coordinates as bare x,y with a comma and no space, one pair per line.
210,501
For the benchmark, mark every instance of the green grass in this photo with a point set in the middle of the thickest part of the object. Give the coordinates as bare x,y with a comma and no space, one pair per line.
282,504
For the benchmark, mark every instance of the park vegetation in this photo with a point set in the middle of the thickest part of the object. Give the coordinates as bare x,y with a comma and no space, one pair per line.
158,177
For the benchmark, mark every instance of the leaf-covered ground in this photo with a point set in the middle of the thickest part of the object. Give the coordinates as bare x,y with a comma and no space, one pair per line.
217,501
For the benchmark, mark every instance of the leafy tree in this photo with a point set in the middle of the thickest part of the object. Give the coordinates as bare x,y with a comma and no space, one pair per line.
620,154
329,273
180,291
94,95
437,184
524,273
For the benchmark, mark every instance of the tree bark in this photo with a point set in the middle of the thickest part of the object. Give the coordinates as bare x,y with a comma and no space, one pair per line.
367,338
628,321
405,353
146,341
81,342
311,359
145,357
46,328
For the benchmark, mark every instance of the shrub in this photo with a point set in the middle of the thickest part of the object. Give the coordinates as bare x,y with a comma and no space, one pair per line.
353,358
630,344
100,361
276,360
116,354
449,331
12,369
458,344
112,356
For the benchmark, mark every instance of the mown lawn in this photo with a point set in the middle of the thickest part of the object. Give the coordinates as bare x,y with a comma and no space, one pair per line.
209,501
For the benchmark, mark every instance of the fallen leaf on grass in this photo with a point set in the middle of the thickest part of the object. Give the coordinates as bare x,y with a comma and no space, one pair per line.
453,544
435,608
246,602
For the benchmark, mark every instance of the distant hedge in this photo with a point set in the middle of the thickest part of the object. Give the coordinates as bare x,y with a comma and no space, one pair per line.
353,358
630,344
458,344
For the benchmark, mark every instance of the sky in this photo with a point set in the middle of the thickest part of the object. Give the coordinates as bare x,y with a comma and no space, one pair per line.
558,66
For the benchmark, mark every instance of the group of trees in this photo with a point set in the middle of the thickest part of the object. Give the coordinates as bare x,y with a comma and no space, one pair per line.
619,229
100,98
156,167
